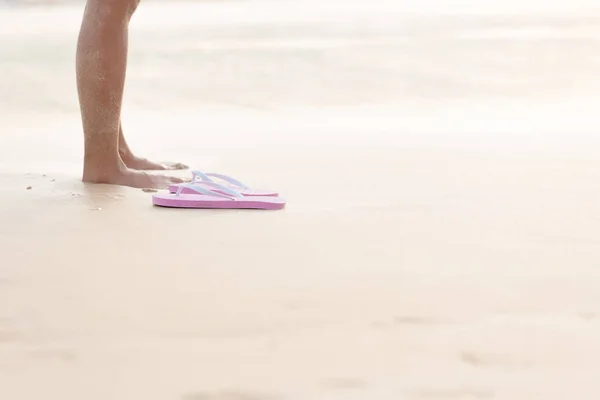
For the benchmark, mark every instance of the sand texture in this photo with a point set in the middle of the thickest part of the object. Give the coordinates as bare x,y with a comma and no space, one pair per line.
441,237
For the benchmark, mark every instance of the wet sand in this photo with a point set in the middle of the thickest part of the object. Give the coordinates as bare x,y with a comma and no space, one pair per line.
440,240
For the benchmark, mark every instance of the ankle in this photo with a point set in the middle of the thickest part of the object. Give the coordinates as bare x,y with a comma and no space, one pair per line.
126,155
102,169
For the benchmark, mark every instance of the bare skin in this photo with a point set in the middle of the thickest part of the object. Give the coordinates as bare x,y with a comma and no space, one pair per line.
101,70
143,164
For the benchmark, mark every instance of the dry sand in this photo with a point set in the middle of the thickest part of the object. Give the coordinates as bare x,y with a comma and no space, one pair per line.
441,238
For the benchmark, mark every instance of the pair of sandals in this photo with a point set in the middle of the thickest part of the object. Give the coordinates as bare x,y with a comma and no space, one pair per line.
212,190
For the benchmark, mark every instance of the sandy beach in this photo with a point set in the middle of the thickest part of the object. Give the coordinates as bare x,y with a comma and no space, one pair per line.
441,166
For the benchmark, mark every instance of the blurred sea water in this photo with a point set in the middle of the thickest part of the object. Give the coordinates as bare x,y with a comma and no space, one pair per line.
484,73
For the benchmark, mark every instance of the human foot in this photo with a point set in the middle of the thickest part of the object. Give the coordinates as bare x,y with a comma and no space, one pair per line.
124,176
144,164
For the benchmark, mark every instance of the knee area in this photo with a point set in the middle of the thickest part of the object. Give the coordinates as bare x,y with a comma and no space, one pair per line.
113,9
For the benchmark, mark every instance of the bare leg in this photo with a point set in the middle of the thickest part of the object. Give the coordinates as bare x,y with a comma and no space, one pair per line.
134,162
101,65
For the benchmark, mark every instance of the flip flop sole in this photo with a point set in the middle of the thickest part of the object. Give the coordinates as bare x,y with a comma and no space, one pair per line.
211,202
254,193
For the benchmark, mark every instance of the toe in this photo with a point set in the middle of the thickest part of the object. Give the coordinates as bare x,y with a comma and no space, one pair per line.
176,166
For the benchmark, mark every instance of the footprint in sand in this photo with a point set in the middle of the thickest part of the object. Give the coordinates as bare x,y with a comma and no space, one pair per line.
229,395
344,384
457,394
7,332
7,335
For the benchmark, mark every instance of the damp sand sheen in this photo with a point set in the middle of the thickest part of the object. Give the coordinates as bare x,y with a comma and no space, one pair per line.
440,240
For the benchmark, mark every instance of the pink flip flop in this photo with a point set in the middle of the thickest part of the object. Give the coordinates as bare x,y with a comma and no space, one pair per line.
204,197
209,179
